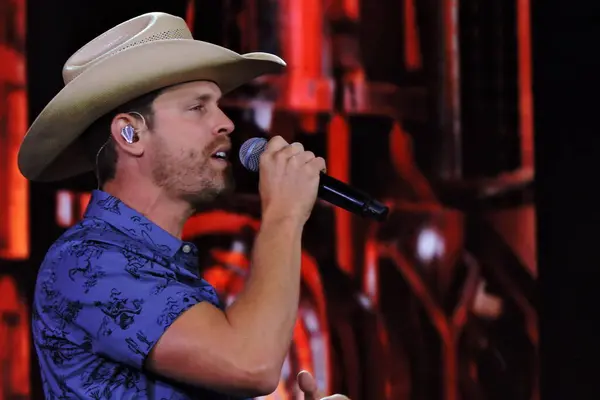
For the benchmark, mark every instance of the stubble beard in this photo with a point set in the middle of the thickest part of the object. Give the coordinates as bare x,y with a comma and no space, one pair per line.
197,183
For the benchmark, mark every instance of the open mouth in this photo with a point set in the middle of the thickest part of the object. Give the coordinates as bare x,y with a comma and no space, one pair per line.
220,155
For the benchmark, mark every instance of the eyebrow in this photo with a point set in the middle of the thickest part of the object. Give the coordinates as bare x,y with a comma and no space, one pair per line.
205,98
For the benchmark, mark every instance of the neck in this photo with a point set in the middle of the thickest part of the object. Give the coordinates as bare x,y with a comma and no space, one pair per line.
150,201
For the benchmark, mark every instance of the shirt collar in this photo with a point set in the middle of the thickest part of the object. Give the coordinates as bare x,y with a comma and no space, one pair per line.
127,220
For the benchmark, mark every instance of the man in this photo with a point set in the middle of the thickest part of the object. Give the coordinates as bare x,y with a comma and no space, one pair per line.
119,310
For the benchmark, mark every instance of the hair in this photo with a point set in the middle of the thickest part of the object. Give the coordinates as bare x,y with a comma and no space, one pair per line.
98,141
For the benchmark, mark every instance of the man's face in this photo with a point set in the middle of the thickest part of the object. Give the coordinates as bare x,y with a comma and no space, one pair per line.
189,137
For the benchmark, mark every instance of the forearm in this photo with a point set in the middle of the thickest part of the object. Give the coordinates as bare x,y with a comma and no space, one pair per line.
265,312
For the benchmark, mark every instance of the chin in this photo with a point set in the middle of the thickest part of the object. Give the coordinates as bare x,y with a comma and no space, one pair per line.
210,193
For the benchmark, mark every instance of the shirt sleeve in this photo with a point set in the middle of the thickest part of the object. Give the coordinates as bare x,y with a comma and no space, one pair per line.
124,301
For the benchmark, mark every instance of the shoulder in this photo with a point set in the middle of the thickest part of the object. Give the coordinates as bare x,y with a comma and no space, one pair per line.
93,254
84,256
92,240
91,230
84,241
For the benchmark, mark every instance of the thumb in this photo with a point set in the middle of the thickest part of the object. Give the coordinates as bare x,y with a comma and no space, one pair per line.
308,385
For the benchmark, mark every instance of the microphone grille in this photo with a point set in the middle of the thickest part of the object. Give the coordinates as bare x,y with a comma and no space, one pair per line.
250,152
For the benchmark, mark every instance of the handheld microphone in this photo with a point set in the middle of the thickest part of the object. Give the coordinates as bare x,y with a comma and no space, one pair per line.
331,190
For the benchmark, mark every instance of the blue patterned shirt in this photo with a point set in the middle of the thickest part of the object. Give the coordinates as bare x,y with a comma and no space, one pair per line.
106,291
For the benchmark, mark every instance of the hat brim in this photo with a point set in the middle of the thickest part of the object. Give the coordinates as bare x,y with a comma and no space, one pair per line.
52,149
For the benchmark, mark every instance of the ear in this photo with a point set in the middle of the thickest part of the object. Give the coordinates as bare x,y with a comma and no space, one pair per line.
126,121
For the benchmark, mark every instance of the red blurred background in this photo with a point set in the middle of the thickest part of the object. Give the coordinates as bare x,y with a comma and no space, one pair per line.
425,104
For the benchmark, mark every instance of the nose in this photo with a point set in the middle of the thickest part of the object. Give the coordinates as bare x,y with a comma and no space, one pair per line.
225,126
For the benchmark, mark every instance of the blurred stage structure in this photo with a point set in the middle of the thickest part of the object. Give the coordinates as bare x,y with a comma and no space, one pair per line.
426,104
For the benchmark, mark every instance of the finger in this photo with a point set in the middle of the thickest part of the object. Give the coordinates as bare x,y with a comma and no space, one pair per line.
308,385
282,155
317,164
304,157
275,144
290,150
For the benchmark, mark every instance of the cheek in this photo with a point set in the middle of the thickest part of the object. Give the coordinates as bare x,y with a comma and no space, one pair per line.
193,155
193,160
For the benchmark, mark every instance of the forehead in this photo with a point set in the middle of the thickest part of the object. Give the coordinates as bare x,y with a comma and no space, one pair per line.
205,90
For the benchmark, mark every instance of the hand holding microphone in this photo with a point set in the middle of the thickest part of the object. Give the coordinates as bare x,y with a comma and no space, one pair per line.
289,179
284,169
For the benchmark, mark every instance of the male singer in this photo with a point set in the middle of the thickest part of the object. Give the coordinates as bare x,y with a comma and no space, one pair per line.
120,311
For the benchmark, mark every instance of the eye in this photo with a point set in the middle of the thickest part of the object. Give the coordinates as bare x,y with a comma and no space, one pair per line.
199,107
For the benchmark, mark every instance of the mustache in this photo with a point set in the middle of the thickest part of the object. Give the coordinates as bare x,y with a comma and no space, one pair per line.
215,144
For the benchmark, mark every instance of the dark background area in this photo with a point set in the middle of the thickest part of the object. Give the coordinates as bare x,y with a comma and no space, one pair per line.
567,144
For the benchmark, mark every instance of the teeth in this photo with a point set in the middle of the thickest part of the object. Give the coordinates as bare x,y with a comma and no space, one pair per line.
220,154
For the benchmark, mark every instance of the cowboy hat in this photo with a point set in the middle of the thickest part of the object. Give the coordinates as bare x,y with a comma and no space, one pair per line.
138,56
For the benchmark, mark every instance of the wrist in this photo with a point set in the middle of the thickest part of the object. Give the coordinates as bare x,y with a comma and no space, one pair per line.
283,220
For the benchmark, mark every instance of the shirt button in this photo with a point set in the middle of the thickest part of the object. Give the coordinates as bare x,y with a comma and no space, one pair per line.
186,248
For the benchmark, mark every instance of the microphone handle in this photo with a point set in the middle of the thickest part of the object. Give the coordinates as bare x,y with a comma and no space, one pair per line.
350,199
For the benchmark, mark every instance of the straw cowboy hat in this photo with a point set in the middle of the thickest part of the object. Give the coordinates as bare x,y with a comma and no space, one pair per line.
139,56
